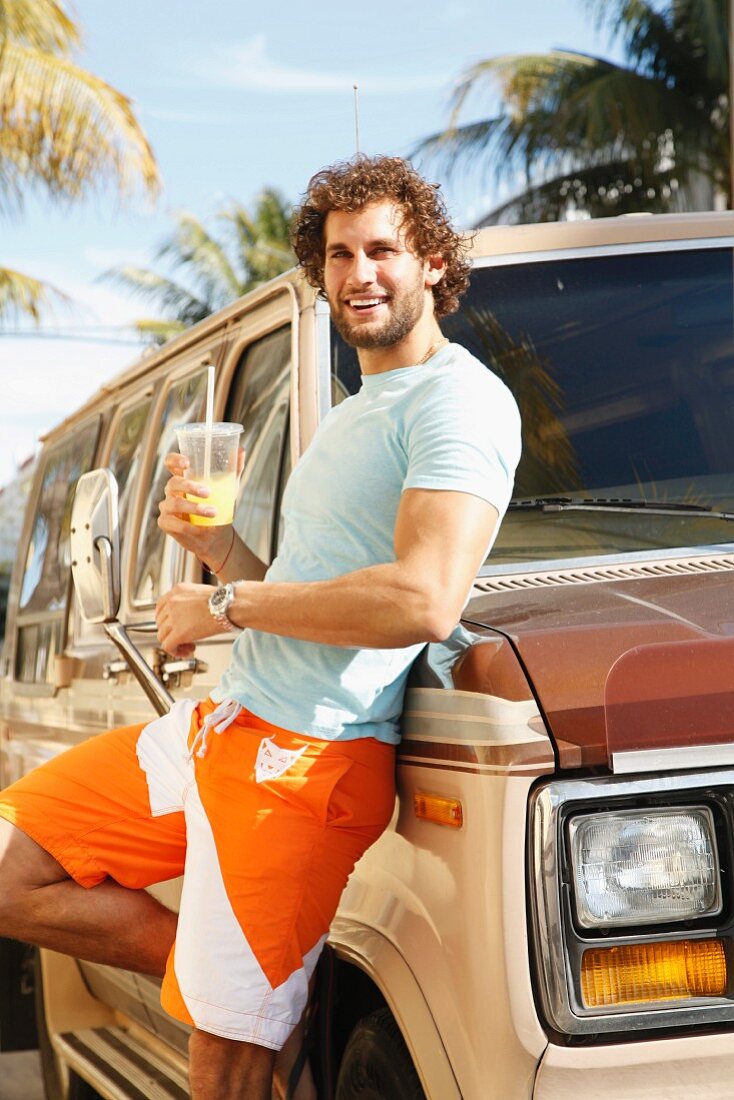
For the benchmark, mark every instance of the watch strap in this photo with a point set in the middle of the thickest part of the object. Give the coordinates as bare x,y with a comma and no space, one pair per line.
219,602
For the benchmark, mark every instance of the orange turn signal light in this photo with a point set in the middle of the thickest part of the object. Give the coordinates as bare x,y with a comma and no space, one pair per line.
636,973
436,808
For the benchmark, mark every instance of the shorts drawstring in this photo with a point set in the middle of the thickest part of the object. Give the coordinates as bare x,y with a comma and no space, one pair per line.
220,719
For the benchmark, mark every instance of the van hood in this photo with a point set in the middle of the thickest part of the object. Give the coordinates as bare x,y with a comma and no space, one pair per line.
621,665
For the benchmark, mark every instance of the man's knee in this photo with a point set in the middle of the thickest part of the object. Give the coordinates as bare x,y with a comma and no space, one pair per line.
24,867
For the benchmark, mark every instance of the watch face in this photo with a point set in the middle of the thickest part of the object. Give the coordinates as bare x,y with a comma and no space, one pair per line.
220,600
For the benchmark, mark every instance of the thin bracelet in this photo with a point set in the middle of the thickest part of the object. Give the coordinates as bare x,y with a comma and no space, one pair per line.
217,571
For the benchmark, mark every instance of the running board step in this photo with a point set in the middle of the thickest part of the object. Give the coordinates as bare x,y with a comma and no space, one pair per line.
119,1066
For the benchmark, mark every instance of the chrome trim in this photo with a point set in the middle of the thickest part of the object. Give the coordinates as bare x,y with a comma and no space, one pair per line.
557,945
322,316
603,574
673,759
716,550
161,699
633,248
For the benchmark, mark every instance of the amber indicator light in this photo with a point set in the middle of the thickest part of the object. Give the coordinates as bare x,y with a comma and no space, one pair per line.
648,972
443,811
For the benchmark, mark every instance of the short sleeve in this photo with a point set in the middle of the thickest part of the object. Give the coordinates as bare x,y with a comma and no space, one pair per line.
463,434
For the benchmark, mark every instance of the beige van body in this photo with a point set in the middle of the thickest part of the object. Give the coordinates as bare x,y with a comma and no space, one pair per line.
466,927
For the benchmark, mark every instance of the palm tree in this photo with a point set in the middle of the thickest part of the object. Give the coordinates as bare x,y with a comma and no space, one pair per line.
584,133
63,131
252,249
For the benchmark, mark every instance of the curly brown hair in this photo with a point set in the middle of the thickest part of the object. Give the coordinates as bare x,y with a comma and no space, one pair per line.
353,184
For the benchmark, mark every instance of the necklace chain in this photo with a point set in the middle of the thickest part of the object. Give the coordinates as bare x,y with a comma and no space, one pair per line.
432,350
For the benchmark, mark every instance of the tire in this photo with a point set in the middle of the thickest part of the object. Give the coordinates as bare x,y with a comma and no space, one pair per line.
376,1063
55,1085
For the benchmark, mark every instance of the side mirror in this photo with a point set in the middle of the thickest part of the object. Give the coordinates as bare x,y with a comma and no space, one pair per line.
95,567
95,546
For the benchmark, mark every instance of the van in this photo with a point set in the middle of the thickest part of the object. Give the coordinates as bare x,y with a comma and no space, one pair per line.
551,910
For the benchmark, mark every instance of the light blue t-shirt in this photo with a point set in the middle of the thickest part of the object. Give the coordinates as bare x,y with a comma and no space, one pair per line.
446,424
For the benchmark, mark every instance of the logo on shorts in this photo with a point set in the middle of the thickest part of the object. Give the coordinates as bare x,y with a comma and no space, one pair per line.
272,761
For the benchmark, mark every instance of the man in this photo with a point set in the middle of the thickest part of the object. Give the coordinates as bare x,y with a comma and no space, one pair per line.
274,787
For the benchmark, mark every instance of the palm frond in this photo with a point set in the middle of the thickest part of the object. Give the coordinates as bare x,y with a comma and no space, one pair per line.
41,24
194,249
563,111
686,39
460,147
704,26
260,241
23,296
164,292
158,331
66,130
540,399
601,190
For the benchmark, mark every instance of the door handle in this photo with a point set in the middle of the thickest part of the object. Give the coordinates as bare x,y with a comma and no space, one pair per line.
172,671
112,670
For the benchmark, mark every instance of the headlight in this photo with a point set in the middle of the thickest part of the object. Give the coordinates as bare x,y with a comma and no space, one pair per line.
644,867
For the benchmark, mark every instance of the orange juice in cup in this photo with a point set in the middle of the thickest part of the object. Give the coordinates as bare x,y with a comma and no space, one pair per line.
212,455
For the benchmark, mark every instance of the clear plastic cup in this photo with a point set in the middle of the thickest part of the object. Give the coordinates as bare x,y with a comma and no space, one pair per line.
220,453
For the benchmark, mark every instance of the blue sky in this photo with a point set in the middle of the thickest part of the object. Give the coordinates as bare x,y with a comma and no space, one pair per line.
233,97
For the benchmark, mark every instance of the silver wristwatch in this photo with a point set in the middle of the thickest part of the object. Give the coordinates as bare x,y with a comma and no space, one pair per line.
219,603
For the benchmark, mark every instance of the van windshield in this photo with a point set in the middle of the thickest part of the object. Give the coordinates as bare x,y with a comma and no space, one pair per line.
623,369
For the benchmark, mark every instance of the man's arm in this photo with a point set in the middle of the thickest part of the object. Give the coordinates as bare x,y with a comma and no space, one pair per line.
440,541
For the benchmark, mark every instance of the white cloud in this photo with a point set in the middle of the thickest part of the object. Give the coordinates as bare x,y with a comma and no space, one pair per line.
248,67
44,380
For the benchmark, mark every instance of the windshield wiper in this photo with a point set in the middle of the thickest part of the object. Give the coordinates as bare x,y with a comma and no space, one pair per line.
613,504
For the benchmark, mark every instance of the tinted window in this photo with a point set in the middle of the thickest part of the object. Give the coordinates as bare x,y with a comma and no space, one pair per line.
47,573
125,454
185,403
346,377
623,370
260,402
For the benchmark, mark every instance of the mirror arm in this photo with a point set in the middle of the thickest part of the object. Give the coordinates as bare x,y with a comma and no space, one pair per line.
161,699
104,546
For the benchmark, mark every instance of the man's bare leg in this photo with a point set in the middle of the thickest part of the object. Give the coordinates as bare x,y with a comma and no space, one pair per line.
285,1058
108,923
225,1069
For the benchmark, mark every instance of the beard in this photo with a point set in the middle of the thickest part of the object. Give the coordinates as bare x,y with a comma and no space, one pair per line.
405,309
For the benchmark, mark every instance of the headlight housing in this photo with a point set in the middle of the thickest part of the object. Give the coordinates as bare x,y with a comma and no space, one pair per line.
632,907
648,866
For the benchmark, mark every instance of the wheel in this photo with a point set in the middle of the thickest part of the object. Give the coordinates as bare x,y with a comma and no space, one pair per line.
59,1082
376,1063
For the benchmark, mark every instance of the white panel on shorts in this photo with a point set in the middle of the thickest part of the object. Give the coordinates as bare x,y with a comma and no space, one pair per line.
220,979
162,751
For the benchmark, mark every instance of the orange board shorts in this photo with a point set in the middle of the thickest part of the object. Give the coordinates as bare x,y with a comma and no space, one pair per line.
265,825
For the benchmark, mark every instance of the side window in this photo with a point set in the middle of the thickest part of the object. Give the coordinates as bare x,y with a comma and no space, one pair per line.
346,376
185,403
47,573
260,401
125,454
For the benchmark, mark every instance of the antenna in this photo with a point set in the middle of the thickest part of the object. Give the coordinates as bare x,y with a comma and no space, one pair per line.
356,117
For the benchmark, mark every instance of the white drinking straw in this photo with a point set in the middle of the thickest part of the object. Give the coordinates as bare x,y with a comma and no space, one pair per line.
209,422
